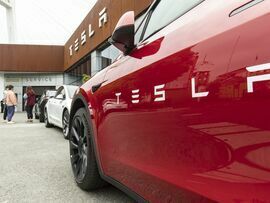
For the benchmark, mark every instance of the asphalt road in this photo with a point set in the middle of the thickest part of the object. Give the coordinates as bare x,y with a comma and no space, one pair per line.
35,167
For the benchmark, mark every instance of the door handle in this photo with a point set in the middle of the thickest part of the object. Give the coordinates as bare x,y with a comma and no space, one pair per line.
245,7
97,86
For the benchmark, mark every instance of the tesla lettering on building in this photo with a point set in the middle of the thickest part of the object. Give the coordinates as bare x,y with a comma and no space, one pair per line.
103,19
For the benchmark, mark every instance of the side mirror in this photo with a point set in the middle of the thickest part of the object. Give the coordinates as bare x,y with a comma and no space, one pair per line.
124,32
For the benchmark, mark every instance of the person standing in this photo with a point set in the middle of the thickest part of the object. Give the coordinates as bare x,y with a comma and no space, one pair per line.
4,103
11,102
30,97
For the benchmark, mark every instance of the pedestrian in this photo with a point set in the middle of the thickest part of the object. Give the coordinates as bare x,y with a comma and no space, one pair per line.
11,102
30,98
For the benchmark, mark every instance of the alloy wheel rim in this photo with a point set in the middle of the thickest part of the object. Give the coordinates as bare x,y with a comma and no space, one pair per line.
78,148
65,124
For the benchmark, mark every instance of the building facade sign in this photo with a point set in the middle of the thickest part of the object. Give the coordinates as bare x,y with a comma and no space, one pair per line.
87,34
98,26
40,79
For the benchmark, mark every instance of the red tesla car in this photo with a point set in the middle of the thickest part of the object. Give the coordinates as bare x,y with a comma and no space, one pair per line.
183,115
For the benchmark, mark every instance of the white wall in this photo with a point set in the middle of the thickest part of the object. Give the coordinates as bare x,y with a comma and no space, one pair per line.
2,86
21,80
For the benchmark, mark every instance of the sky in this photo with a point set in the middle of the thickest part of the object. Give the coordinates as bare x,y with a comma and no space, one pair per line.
48,22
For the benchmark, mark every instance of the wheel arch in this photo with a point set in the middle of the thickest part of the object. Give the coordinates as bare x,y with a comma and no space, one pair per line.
79,101
64,110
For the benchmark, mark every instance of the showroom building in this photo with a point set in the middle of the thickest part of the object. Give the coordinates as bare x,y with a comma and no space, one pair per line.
86,52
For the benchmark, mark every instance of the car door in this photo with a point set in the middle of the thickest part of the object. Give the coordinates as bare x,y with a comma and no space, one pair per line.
159,104
59,106
52,106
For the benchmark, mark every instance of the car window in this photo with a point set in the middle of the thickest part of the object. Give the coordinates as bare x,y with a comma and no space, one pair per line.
165,12
139,27
50,93
63,93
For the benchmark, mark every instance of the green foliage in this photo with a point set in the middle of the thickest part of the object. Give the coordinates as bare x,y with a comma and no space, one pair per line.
85,78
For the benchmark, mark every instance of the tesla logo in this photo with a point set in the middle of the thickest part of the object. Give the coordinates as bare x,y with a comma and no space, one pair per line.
135,96
118,97
91,32
103,17
83,37
257,78
193,91
159,92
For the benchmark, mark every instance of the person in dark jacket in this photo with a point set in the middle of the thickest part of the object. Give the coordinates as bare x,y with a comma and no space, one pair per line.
30,98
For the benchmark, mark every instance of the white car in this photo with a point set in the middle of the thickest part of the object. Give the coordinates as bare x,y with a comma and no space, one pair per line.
57,109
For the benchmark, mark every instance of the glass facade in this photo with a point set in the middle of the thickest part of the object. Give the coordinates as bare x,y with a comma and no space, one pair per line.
90,65
99,59
108,55
74,76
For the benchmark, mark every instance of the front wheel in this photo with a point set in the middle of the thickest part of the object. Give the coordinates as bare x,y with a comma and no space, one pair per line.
46,119
65,121
82,156
41,118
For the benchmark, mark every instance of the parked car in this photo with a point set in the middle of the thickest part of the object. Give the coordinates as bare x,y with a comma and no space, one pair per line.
40,105
57,109
195,82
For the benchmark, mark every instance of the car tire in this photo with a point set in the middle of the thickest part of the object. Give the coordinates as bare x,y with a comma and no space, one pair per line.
82,155
46,119
65,123
41,118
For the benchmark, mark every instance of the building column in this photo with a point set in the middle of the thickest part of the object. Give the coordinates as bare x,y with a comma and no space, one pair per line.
11,19
95,62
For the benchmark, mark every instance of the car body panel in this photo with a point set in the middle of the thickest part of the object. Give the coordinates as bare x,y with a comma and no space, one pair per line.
55,107
40,105
217,145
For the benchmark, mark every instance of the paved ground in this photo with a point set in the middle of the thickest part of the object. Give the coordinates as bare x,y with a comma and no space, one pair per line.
34,167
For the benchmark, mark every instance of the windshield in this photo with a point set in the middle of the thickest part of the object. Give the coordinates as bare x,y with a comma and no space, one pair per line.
71,91
51,93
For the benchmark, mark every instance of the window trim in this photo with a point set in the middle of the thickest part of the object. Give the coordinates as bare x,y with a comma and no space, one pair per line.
149,15
146,18
60,89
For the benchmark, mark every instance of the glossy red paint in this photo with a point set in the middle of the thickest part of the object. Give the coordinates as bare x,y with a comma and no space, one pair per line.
216,146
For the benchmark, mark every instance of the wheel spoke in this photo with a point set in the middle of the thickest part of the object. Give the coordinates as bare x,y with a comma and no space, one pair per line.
83,133
66,130
82,168
84,164
78,127
73,145
74,158
78,166
75,134
65,119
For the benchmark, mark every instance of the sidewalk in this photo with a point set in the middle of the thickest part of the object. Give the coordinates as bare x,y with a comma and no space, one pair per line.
35,166
19,118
